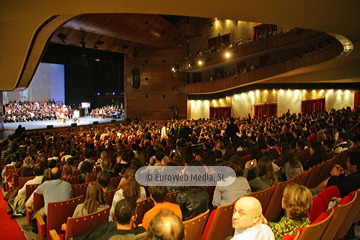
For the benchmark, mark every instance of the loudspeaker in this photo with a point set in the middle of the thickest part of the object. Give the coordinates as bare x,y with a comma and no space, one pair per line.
135,78
113,121
96,122
74,124
49,126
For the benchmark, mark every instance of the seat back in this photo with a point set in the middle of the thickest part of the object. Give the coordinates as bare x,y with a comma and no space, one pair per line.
171,197
343,158
303,155
328,193
141,208
219,225
8,168
303,177
76,172
90,177
325,172
350,217
77,226
264,197
29,190
314,175
210,190
73,180
317,208
109,195
114,182
58,212
79,189
274,209
314,231
357,215
340,212
23,180
38,201
15,179
194,227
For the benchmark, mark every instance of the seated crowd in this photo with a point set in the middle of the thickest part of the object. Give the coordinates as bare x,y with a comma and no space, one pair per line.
261,153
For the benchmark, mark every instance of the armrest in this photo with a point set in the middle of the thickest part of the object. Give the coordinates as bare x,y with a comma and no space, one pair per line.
40,225
54,235
29,213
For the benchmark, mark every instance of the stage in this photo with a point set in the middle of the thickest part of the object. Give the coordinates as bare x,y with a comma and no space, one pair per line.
38,125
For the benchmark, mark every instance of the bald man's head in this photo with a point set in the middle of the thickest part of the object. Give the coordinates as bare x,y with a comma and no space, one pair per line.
166,226
247,213
55,173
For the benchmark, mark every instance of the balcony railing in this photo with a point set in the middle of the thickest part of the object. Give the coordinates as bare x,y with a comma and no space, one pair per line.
243,50
242,79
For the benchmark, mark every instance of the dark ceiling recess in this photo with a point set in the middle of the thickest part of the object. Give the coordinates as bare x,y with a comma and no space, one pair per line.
172,19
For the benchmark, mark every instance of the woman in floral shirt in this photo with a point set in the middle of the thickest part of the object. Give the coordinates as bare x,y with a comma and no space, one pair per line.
297,203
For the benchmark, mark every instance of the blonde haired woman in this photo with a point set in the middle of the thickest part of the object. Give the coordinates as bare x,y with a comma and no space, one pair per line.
26,170
297,203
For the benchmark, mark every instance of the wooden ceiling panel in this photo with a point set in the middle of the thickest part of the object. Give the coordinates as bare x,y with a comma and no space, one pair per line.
146,29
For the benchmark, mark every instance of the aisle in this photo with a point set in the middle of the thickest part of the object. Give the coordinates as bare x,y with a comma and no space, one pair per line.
9,226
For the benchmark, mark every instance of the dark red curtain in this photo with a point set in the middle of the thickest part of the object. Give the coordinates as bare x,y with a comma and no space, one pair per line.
309,106
263,111
220,112
357,100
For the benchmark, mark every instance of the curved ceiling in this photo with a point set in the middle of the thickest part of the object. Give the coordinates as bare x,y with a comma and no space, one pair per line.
26,27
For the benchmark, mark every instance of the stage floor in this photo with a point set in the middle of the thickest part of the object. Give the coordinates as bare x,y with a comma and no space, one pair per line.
35,125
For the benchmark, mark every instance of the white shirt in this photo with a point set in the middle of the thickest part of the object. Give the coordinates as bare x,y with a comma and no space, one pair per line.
36,180
259,232
119,196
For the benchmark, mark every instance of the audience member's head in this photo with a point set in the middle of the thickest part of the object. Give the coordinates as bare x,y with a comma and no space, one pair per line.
125,211
52,163
55,173
166,226
106,164
297,201
103,178
85,167
158,193
94,197
353,163
247,213
38,170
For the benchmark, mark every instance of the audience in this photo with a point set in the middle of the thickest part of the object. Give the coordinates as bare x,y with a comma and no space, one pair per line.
196,137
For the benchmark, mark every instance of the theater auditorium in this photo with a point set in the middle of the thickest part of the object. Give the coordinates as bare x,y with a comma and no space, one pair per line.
91,92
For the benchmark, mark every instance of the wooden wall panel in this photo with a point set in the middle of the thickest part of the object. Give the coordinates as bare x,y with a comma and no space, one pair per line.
163,88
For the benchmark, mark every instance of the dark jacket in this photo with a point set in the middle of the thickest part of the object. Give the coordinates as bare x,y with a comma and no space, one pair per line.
192,203
346,184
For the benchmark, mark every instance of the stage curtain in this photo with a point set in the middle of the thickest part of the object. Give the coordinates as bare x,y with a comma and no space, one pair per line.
309,106
221,112
357,100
